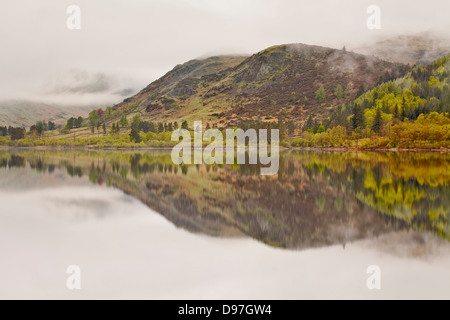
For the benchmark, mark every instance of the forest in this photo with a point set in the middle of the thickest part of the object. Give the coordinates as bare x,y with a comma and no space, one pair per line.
409,112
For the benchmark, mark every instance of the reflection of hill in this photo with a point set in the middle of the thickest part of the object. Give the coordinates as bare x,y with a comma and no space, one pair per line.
408,244
317,199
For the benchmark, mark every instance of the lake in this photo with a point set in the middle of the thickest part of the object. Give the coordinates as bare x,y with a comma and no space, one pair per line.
140,227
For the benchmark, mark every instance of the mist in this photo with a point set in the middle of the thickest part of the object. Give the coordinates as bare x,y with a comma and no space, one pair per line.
125,45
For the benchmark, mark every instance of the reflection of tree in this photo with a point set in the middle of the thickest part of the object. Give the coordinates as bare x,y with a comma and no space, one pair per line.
3,163
317,199
73,171
16,162
413,187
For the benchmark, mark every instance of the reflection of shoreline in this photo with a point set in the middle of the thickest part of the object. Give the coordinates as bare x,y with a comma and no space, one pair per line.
408,244
317,200
371,150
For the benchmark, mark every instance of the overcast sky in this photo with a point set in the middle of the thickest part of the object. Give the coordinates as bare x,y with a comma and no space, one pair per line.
130,43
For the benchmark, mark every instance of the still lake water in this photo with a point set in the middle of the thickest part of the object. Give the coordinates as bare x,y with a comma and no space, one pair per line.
140,227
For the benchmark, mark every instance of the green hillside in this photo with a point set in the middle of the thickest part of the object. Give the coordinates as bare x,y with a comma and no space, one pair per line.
409,112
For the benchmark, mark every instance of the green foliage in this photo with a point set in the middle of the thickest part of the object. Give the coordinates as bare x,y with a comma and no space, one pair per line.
135,130
309,123
40,127
115,129
17,133
135,135
51,126
5,140
321,129
116,140
336,137
424,90
74,123
291,127
321,94
339,93
93,118
361,91
377,122
427,132
124,122
282,128
358,117
136,121
431,131
348,89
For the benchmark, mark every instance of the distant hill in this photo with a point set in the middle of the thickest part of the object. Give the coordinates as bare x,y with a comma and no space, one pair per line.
281,80
26,113
410,49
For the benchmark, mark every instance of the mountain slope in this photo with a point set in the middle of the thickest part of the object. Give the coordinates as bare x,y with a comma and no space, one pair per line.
281,80
25,113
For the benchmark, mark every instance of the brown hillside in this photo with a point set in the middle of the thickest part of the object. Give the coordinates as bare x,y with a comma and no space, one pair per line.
279,80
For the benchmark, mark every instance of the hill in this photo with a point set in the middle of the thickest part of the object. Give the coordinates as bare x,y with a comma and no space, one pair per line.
25,113
289,80
318,97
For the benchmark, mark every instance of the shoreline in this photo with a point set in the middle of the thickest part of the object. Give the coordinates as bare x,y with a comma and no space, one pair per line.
342,149
163,148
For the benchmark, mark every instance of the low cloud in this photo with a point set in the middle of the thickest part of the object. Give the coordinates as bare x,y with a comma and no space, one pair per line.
124,45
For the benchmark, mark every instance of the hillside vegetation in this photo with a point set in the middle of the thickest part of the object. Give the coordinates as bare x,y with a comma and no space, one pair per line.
315,96
289,80
409,112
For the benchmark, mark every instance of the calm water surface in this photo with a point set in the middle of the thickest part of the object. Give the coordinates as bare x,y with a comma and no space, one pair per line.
141,227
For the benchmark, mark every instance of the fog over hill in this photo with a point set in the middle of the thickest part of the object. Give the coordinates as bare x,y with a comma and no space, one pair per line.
413,49
18,113
279,81
121,50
